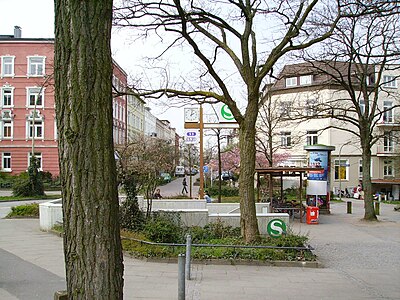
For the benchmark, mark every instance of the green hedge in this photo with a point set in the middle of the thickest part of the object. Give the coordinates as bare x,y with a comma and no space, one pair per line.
226,191
28,210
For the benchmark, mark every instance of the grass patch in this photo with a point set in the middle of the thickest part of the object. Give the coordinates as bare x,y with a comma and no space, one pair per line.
13,198
392,202
232,199
24,211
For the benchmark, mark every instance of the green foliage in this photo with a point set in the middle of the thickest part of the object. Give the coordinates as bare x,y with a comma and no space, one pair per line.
31,183
163,228
6,180
131,217
28,210
226,191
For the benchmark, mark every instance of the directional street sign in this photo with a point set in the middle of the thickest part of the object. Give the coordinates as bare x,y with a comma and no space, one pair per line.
191,136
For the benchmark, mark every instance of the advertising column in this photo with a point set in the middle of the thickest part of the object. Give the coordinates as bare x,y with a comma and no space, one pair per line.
318,183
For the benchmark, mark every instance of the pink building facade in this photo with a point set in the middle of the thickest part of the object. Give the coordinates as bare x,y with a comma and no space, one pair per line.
27,108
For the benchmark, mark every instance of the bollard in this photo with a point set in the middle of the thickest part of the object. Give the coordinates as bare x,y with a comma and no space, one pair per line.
377,208
181,277
188,254
349,203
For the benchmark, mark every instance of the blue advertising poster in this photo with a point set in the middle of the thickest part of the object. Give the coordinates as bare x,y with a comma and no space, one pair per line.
318,159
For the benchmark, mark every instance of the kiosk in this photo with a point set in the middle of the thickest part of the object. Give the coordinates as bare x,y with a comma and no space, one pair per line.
318,183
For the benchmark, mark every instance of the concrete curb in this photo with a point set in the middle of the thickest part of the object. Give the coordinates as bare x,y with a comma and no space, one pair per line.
277,263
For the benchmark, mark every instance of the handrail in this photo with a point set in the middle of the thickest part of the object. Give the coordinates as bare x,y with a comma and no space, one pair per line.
308,247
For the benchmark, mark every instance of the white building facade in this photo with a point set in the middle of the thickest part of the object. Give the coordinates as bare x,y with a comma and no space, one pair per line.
299,92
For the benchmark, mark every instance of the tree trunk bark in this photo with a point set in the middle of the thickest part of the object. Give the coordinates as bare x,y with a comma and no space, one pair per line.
369,211
83,74
247,134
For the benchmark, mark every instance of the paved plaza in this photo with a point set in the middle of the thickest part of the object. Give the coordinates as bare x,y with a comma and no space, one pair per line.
361,261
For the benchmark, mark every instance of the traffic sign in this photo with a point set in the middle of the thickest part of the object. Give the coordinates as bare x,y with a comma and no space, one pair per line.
276,228
205,169
191,136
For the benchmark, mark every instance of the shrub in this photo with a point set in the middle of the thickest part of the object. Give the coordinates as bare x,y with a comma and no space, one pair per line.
31,183
6,180
163,228
28,210
226,191
131,217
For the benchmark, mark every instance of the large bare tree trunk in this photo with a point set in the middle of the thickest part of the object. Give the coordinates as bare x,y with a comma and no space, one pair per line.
369,211
83,73
247,137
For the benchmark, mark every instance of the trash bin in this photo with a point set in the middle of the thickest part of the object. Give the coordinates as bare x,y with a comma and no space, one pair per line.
312,215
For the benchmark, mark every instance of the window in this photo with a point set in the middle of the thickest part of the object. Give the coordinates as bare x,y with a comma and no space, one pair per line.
312,137
362,106
341,169
389,81
7,66
285,109
38,157
35,129
36,66
305,80
7,96
360,169
35,95
7,130
286,139
388,168
6,124
291,81
388,112
388,142
311,107
35,125
6,162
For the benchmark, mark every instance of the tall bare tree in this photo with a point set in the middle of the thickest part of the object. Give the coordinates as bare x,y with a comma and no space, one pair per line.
356,61
83,73
233,52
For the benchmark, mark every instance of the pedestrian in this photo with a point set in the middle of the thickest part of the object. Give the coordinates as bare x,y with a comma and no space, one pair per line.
157,194
207,197
184,186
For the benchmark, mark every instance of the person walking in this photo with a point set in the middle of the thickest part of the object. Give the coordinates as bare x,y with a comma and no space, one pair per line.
184,186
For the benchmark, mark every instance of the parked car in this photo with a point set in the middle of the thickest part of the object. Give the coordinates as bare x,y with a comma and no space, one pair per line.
166,177
179,171
227,175
193,171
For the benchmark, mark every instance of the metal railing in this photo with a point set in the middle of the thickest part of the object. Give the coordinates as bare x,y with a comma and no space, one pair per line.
307,248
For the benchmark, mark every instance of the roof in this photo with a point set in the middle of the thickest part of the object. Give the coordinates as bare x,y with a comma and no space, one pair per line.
323,72
8,39
286,171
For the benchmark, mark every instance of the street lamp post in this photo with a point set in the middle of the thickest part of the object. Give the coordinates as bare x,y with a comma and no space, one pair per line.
340,175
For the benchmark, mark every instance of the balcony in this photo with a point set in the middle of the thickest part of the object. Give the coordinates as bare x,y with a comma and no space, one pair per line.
389,121
388,150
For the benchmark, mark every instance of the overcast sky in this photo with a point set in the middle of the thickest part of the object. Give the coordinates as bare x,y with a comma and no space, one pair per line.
36,18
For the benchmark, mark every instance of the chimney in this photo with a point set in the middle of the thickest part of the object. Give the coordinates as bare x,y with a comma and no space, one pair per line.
17,32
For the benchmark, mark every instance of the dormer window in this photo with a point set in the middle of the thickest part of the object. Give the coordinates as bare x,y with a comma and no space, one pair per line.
305,80
291,81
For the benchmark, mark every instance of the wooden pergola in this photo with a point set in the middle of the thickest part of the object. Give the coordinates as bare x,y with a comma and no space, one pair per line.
285,172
